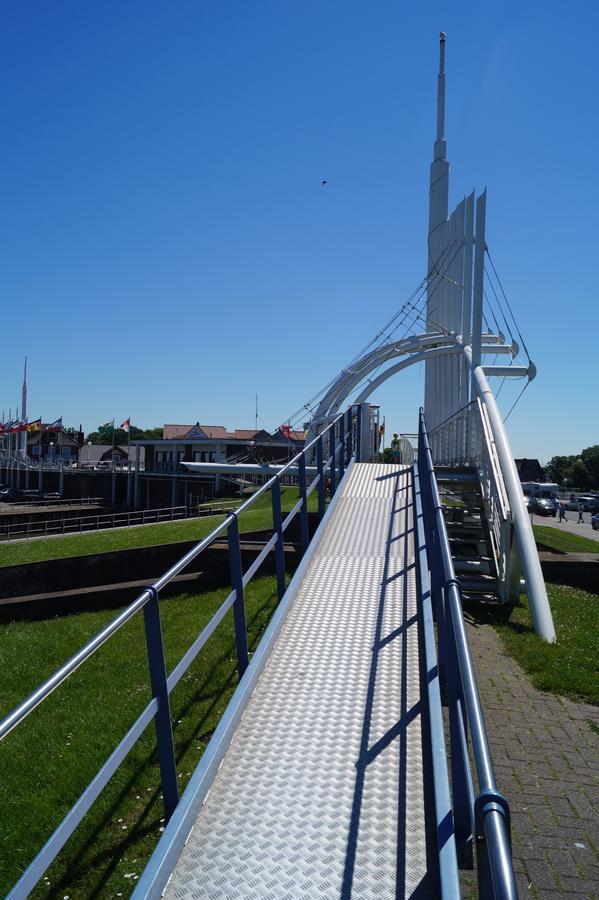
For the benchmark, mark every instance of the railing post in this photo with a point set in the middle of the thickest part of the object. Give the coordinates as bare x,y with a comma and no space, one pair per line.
305,536
162,720
236,571
320,466
277,525
333,454
358,434
342,443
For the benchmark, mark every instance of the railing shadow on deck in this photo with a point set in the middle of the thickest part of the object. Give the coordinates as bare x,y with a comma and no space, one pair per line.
428,886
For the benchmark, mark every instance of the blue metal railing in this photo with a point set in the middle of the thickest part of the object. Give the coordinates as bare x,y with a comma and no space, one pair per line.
484,816
338,441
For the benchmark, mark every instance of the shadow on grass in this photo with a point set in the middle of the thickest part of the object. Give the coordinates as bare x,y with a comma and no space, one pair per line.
109,857
485,612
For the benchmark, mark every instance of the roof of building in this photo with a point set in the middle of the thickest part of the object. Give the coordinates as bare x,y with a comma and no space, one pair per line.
219,433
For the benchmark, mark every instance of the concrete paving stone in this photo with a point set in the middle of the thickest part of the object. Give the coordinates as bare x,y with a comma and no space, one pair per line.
541,875
561,806
563,862
548,895
523,884
542,815
575,886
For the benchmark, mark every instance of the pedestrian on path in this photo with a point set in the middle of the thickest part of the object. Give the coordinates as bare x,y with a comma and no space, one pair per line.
562,513
395,451
580,514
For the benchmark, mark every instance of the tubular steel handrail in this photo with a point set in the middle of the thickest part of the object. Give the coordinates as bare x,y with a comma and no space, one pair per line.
466,438
342,440
486,816
104,520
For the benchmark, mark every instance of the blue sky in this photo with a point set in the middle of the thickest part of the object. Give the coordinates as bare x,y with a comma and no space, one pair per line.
168,251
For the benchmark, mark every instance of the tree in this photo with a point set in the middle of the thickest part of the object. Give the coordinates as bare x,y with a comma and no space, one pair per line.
578,475
104,435
559,467
590,457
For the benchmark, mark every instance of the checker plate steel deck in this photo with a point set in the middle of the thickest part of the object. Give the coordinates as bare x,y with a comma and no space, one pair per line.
321,792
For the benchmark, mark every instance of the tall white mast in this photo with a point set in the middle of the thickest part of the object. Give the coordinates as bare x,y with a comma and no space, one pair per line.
437,237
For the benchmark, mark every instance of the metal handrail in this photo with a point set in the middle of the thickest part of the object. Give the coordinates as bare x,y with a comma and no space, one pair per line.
103,521
342,435
466,438
484,816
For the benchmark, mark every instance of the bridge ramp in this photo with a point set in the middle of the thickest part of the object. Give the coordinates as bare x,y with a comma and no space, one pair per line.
321,793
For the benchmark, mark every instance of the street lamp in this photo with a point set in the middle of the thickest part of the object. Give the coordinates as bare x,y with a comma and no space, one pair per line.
52,452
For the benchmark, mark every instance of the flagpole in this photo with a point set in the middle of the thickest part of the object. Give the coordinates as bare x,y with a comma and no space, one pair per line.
129,464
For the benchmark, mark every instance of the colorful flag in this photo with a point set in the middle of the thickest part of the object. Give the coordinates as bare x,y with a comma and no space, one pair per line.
126,425
108,424
54,426
286,431
18,425
36,425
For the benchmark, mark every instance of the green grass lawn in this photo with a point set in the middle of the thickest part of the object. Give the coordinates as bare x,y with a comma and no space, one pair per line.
571,665
564,541
49,759
259,516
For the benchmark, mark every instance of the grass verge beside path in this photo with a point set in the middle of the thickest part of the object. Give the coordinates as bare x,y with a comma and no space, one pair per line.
259,516
563,540
570,666
49,759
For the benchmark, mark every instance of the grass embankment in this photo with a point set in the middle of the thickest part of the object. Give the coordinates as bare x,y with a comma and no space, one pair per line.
49,759
570,666
564,541
259,516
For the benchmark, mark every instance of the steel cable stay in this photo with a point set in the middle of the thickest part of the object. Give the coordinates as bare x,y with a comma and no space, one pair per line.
410,329
384,334
507,302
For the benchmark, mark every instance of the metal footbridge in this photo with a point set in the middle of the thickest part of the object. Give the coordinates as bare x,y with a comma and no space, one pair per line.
352,760
322,791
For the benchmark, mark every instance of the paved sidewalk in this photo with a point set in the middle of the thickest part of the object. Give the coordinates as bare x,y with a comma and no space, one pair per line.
546,760
570,525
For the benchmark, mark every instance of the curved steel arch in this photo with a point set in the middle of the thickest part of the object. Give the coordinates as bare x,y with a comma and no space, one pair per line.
349,379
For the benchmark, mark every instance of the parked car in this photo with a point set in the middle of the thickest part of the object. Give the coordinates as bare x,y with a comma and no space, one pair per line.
52,495
11,495
543,506
595,522
32,496
590,502
103,466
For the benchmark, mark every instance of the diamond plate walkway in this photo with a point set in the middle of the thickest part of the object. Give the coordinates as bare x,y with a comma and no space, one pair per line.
321,793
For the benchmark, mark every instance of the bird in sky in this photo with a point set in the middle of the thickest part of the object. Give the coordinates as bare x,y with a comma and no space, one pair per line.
324,182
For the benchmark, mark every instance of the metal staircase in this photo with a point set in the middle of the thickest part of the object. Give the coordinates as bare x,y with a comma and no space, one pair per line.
469,534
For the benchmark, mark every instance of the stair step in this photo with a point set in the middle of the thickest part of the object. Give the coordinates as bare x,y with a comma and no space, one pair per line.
478,583
461,547
455,529
475,566
459,477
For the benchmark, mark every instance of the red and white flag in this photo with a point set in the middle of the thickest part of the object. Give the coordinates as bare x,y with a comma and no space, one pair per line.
125,426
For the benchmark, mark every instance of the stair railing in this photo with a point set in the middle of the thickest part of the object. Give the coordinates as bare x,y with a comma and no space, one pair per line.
485,816
466,439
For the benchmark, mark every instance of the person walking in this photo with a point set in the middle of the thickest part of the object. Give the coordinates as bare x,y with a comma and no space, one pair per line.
562,513
395,451
580,514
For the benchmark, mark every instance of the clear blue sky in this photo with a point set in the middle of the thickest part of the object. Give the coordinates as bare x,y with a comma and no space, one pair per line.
167,250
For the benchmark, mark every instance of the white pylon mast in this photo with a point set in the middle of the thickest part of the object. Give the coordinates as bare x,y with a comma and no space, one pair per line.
437,238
